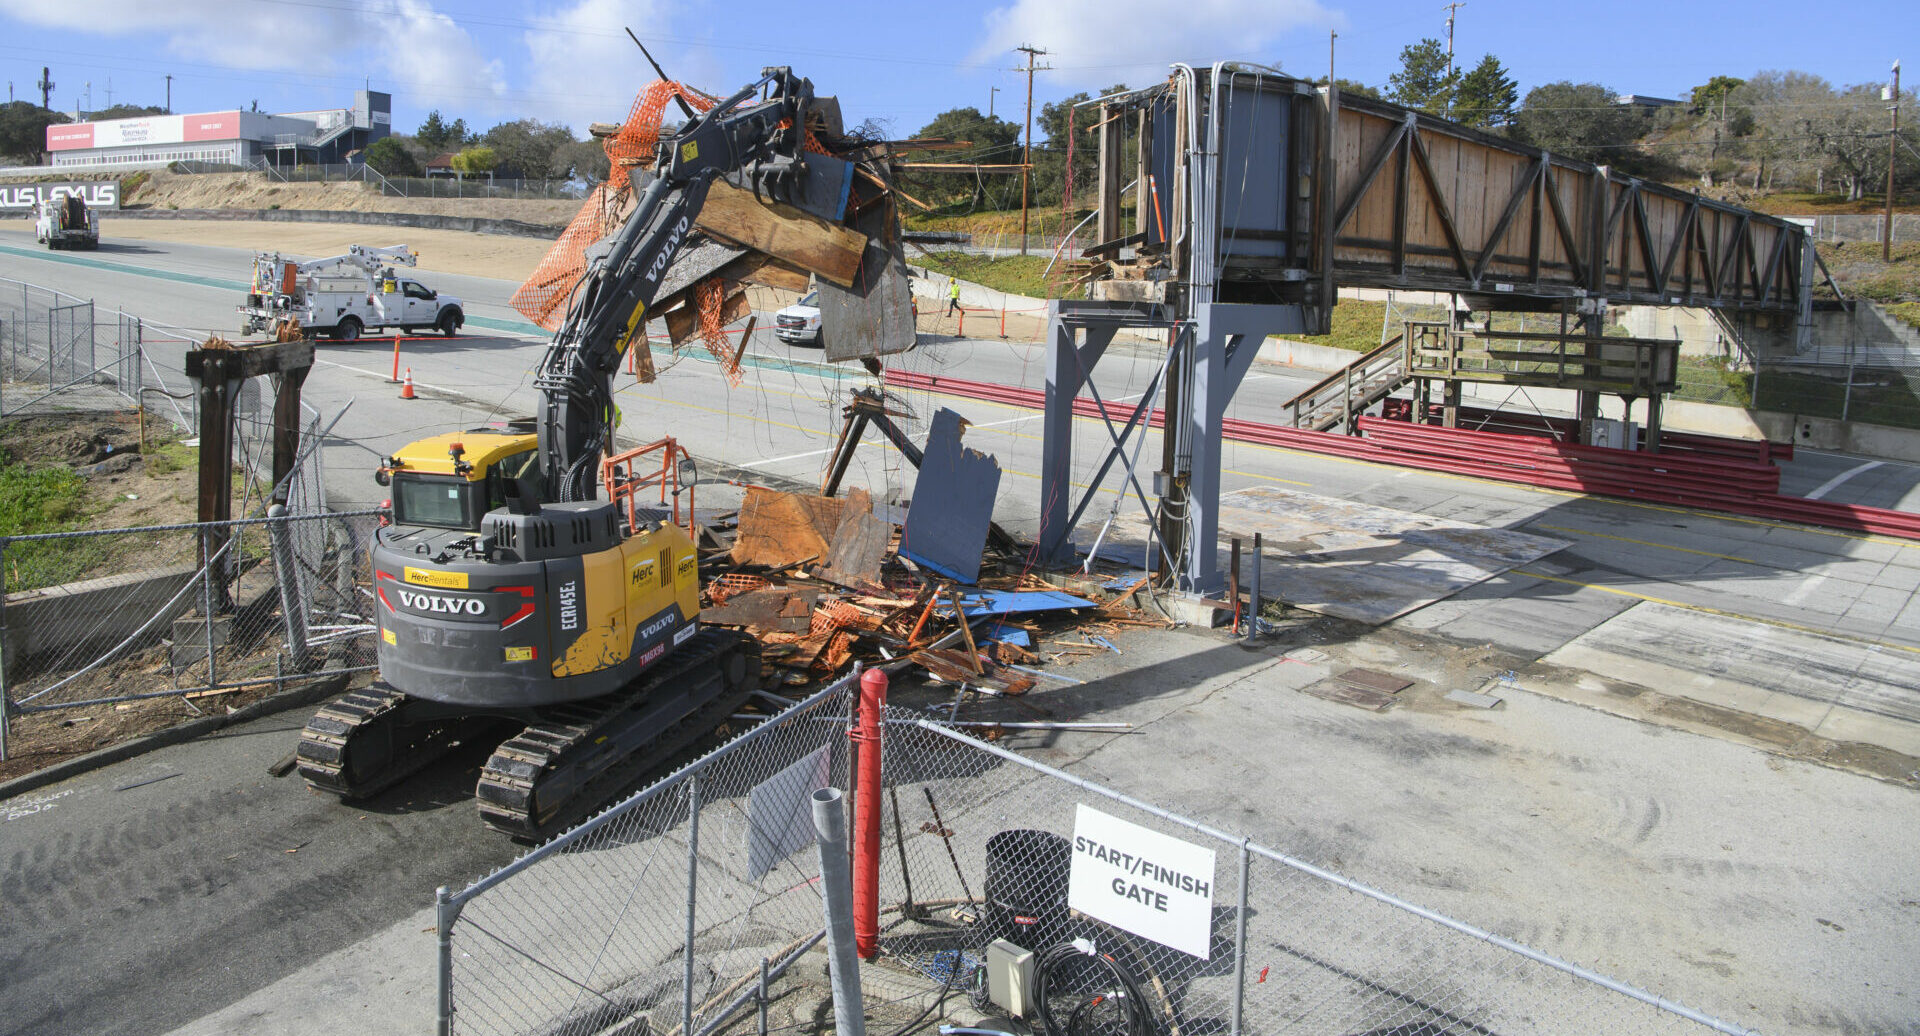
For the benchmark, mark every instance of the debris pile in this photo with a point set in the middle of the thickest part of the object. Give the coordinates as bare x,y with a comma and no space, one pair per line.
823,580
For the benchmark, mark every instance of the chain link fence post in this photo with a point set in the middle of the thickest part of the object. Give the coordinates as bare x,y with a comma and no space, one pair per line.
445,913
693,873
6,697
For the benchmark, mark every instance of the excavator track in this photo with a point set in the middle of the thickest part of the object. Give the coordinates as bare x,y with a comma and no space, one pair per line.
580,754
367,742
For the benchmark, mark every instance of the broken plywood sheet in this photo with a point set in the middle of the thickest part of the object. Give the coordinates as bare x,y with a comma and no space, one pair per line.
1353,560
776,609
946,528
874,316
858,546
778,529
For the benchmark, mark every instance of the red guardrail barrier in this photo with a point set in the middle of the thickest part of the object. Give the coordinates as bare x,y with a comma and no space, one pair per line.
1705,479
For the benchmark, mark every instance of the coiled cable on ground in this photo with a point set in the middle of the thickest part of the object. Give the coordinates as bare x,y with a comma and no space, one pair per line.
1109,1008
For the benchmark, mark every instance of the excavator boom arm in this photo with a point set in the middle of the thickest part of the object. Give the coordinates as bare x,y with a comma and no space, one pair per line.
626,270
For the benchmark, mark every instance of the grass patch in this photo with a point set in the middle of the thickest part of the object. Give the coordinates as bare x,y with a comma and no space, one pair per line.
1906,312
1713,380
1014,274
38,499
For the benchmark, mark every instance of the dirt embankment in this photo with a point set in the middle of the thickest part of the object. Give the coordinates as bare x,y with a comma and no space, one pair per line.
260,191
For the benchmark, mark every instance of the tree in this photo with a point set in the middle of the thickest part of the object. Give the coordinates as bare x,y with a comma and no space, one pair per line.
1049,176
1714,92
438,135
1486,95
1354,86
388,157
585,159
126,111
474,160
1423,82
23,131
525,147
993,141
1580,120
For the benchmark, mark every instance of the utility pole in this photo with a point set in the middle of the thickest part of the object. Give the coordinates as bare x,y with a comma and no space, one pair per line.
1331,36
1893,142
109,91
990,96
169,94
1451,8
1026,154
46,87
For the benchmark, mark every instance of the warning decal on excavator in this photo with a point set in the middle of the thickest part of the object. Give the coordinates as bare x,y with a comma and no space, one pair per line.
429,577
689,151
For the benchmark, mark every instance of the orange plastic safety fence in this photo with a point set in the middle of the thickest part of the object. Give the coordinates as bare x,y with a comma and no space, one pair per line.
732,585
709,297
543,298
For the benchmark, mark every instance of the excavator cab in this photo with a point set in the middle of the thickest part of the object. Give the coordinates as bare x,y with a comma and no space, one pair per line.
451,481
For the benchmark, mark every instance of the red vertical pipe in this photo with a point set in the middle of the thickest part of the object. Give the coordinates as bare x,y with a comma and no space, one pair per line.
866,816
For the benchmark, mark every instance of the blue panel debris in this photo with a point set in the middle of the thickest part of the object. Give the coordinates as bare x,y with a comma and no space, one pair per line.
1005,634
946,528
1008,602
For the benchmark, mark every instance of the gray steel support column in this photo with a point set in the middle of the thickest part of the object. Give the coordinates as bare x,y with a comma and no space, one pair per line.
1224,345
1068,366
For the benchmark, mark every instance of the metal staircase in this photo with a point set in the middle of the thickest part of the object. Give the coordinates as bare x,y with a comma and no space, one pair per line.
1339,399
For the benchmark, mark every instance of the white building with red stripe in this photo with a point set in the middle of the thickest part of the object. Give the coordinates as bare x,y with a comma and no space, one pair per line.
237,138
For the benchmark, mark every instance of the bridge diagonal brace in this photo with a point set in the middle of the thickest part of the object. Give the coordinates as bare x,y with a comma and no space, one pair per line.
1440,206
1521,193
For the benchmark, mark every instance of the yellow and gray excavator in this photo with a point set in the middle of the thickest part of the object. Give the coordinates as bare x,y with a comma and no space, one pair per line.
507,594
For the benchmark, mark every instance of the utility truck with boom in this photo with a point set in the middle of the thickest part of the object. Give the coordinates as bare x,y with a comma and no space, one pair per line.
345,295
507,595
66,221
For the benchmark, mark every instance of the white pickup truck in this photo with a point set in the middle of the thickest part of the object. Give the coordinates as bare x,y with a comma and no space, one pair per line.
344,296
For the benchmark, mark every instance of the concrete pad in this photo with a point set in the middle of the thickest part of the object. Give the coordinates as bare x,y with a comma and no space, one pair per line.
1359,561
1834,688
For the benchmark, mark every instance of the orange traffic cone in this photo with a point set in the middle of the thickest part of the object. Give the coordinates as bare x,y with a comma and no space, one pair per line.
406,387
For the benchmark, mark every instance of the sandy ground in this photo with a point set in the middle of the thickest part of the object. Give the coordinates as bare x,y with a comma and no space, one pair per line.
441,251
259,191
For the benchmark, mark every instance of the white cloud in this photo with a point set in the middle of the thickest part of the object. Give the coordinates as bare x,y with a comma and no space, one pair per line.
404,45
1095,43
583,69
436,63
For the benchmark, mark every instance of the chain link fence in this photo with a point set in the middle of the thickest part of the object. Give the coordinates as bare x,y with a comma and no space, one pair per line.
190,612
684,909
102,619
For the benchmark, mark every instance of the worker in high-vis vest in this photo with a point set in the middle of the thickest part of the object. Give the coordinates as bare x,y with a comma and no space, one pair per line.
953,295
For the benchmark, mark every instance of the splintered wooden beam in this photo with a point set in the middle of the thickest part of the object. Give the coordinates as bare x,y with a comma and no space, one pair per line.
958,167
832,252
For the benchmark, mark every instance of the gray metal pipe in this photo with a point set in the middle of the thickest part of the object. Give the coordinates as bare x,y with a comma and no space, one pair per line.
293,604
836,885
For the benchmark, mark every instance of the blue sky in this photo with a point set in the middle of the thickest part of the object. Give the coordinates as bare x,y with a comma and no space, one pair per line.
568,60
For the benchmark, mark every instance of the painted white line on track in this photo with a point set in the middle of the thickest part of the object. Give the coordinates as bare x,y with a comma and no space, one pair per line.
1831,484
1806,587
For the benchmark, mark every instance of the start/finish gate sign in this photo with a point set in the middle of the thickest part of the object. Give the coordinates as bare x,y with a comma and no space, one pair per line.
1153,885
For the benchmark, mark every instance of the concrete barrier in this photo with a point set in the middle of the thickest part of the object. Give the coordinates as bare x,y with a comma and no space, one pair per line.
419,220
94,615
